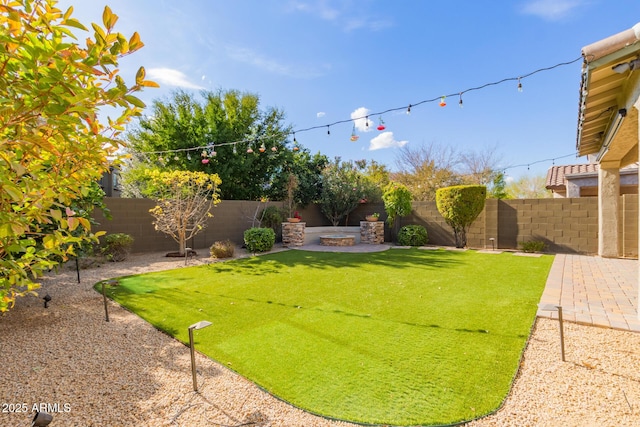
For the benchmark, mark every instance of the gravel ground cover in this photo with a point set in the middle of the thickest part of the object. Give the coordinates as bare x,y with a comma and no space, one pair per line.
66,360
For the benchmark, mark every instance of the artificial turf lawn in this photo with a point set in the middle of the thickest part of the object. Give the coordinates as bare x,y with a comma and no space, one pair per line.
400,337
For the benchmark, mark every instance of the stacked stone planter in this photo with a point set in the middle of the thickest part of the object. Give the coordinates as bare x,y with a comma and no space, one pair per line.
293,234
372,232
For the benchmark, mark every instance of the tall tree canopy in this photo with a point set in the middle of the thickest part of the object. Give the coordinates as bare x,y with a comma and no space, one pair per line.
53,146
216,123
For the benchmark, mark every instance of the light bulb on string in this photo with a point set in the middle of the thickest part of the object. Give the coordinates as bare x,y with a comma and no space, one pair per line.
204,154
205,160
519,85
213,153
328,130
381,125
409,110
188,156
295,143
274,148
443,103
366,123
262,148
354,135
460,102
176,158
249,150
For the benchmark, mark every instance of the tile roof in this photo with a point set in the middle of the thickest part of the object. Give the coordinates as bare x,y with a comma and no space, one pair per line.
556,174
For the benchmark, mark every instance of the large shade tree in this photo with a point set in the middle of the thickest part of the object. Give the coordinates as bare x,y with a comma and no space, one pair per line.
53,143
222,126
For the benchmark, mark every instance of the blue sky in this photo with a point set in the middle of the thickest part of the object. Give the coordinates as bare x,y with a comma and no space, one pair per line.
324,61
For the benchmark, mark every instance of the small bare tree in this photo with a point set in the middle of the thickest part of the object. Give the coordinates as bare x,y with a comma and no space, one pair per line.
184,202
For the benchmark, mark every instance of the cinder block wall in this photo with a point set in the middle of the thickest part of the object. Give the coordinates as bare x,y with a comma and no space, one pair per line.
565,225
629,217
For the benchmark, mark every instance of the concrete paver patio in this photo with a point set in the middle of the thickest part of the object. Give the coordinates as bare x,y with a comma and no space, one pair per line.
594,291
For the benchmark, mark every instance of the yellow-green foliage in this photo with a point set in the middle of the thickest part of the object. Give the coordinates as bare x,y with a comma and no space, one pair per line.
52,144
460,205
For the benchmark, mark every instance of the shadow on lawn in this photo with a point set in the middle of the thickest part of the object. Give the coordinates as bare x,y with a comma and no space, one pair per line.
367,316
397,259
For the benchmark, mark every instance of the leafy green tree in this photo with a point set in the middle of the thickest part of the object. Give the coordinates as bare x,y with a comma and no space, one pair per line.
307,169
498,189
397,203
184,202
460,205
342,189
53,143
218,123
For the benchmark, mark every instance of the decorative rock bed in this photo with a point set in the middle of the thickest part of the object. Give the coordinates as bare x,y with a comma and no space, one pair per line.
337,240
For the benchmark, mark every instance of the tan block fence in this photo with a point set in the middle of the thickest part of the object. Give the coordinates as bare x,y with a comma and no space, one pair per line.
565,225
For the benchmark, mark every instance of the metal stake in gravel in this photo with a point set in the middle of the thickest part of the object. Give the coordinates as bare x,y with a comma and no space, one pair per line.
558,308
200,325
104,297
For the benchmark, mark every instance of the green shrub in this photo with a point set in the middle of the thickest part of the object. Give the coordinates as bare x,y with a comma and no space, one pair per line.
271,217
222,249
397,201
412,235
460,205
258,239
117,246
533,246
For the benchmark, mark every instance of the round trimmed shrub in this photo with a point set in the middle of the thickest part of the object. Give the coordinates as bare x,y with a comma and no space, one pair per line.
412,235
258,239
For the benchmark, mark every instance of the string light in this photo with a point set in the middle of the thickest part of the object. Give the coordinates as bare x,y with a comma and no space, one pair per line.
443,102
407,109
354,135
381,125
262,148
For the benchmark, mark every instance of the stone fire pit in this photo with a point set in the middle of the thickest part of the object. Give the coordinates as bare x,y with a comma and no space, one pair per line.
337,240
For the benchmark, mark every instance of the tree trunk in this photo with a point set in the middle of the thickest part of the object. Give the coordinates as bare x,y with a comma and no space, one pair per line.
461,237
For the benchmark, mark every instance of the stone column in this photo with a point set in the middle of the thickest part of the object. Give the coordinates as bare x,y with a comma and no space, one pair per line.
372,232
293,234
608,222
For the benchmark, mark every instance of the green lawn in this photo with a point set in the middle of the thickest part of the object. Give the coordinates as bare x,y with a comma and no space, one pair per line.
400,337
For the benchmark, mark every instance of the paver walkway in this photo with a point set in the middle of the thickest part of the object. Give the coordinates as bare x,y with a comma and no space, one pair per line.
593,291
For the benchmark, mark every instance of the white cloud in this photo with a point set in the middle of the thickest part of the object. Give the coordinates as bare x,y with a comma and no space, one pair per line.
321,114
551,9
258,60
359,117
350,17
385,140
320,8
171,77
